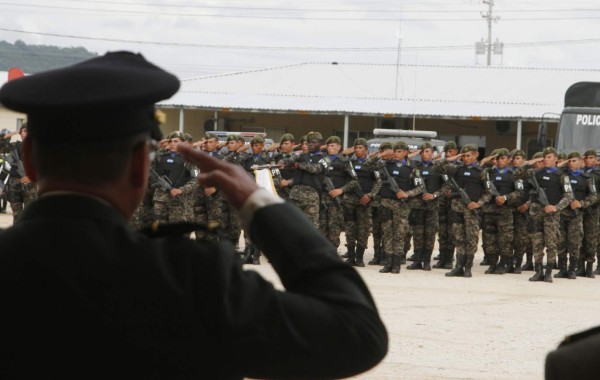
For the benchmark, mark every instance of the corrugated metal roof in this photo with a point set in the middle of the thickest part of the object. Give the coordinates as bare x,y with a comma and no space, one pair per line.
370,89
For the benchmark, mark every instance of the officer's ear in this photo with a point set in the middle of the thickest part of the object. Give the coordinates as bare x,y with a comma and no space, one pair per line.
27,160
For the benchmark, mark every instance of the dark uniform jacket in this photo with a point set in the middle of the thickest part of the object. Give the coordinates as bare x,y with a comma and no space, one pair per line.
575,358
84,296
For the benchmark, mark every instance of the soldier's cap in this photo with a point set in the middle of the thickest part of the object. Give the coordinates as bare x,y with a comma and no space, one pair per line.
574,154
314,136
241,139
385,145
517,153
494,152
450,145
209,136
469,148
538,155
188,137
257,140
426,145
590,152
502,152
232,138
303,139
101,99
400,145
361,141
548,150
333,140
286,137
174,135
562,156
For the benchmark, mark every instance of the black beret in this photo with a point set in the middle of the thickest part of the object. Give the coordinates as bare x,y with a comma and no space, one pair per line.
103,98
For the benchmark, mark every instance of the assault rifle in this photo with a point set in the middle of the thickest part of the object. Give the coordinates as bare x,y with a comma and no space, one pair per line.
329,186
359,190
490,186
390,179
464,197
538,190
163,182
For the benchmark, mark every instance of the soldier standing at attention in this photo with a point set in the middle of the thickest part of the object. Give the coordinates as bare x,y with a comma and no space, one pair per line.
521,241
209,202
283,182
571,221
397,187
364,187
502,192
20,190
170,205
592,213
425,212
308,179
445,238
336,179
544,212
231,218
464,217
379,257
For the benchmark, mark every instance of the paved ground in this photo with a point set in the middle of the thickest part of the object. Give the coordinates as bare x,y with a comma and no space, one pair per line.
497,327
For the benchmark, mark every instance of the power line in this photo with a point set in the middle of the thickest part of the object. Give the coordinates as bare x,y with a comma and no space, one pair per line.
301,48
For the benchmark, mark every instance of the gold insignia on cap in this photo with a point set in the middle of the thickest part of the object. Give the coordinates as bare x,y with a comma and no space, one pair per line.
160,116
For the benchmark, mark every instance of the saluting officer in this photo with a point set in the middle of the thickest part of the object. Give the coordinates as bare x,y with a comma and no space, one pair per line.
283,181
592,213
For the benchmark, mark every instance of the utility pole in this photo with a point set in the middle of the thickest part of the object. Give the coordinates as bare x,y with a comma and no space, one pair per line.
486,47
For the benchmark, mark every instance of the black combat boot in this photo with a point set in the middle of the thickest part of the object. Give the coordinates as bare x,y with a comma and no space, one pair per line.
376,255
539,274
387,268
469,265
597,271
528,263
351,255
442,259
427,259
256,256
449,258
518,262
459,268
416,262
580,272
510,264
414,256
402,258
589,269
248,251
395,264
573,267
439,256
548,274
493,260
487,260
358,262
502,266
562,268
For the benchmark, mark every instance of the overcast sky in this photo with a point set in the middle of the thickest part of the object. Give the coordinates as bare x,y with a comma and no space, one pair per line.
196,38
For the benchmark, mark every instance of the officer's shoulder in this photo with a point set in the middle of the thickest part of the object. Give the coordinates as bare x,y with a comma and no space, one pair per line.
570,339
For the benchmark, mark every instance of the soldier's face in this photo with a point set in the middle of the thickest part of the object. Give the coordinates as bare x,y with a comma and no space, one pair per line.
23,133
400,154
550,160
314,145
304,146
257,148
173,144
590,161
469,157
574,163
232,145
286,146
210,145
502,162
360,151
333,148
518,160
451,152
426,154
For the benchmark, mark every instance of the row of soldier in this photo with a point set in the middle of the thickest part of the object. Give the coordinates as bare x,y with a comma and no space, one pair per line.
521,207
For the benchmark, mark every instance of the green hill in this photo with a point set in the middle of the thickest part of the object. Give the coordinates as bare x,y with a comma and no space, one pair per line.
35,58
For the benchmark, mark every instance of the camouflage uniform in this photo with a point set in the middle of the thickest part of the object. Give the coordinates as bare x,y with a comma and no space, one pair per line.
366,180
144,214
208,208
446,242
498,225
425,215
544,227
286,173
394,211
332,216
307,183
571,226
182,176
231,219
20,195
590,222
